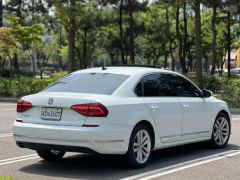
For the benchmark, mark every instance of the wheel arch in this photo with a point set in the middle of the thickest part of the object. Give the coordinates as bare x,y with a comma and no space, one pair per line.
227,114
150,127
224,112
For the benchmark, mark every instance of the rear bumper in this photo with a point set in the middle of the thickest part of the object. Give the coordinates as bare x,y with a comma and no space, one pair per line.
36,146
103,140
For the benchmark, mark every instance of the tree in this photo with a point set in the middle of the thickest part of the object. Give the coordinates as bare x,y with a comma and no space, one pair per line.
133,29
1,13
198,43
8,46
214,4
154,42
43,53
28,11
27,36
68,13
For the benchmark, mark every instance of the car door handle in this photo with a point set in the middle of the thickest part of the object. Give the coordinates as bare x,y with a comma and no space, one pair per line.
186,106
154,107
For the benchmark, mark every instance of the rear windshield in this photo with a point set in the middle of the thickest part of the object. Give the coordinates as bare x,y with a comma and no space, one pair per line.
92,83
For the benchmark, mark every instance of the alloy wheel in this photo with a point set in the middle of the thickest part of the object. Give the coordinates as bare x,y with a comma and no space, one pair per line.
142,146
221,131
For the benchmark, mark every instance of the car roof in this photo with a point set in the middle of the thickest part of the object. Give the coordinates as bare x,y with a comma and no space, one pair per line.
124,70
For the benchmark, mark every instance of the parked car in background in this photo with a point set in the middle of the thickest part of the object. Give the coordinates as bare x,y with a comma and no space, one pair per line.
120,110
235,71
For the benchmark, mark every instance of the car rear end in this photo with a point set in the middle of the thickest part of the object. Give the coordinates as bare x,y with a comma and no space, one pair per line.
66,117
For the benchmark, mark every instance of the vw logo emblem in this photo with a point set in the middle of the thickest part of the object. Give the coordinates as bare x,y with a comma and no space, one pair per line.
50,101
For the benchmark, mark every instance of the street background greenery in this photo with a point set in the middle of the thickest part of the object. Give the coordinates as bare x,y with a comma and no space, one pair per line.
221,86
55,37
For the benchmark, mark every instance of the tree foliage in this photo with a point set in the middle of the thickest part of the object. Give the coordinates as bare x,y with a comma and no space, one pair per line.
181,35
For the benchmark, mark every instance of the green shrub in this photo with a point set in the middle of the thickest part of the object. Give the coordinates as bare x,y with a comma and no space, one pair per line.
39,84
26,73
5,88
212,83
58,75
5,73
222,87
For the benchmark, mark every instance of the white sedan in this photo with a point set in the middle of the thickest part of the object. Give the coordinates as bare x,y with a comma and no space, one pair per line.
120,110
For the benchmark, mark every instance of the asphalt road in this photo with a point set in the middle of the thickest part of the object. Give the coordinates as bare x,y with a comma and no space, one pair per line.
195,161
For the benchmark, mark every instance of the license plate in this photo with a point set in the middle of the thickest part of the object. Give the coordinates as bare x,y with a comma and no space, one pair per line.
51,114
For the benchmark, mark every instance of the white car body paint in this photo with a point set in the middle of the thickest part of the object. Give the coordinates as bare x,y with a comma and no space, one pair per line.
175,120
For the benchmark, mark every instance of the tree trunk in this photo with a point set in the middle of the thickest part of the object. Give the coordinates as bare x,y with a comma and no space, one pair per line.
31,54
214,38
59,64
229,39
170,38
206,63
165,60
71,38
16,67
19,12
11,72
185,38
120,23
3,64
198,43
131,29
85,49
181,50
1,13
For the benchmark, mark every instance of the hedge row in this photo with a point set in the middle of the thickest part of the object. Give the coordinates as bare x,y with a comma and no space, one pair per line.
26,86
222,87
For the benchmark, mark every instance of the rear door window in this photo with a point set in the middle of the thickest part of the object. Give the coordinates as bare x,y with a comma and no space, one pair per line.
154,85
166,85
92,83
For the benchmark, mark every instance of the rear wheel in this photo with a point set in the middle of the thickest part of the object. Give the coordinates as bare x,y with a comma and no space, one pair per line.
140,146
51,155
221,131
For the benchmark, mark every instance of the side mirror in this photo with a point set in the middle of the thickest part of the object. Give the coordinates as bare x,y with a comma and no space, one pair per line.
206,93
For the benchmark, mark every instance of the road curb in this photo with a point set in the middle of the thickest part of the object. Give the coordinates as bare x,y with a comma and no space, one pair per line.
235,110
9,100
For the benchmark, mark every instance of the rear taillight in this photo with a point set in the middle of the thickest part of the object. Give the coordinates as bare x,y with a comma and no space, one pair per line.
92,109
23,106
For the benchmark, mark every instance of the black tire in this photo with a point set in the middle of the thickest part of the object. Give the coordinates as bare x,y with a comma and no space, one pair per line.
213,142
51,155
131,156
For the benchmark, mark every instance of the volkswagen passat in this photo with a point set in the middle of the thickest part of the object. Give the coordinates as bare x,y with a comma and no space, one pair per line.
120,110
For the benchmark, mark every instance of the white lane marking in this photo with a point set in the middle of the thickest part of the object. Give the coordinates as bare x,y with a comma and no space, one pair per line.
18,160
6,135
9,109
181,166
1,104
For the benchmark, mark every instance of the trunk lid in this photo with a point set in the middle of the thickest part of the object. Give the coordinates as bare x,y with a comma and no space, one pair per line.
55,102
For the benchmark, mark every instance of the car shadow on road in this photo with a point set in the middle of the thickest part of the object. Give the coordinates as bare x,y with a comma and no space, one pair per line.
86,166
